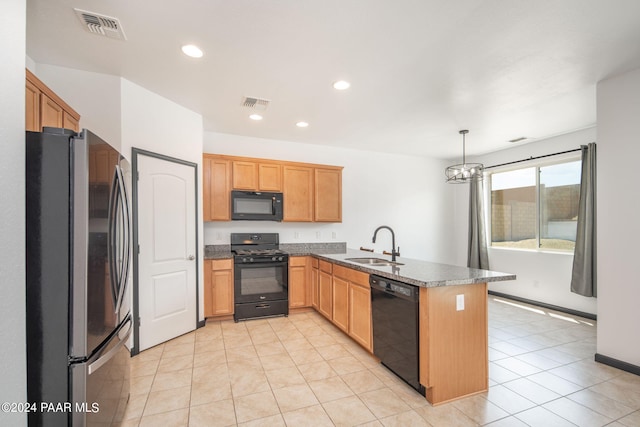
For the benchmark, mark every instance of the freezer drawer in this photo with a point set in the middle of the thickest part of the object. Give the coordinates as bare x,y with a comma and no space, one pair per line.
104,380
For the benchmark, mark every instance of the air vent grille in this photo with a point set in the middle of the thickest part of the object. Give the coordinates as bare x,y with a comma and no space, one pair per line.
101,25
255,103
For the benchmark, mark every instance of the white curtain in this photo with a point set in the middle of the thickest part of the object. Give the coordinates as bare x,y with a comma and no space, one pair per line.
583,276
477,255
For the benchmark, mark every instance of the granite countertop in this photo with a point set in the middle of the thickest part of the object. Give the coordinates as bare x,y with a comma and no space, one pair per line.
415,272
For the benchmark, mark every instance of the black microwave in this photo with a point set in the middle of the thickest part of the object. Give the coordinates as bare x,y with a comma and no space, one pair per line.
256,206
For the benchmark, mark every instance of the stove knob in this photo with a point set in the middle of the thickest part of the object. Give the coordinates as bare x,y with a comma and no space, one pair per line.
280,258
274,258
250,259
244,259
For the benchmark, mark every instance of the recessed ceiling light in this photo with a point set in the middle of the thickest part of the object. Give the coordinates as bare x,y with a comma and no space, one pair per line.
302,124
255,117
192,51
341,85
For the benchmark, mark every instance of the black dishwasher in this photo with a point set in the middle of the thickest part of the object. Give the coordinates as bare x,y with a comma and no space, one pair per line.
394,308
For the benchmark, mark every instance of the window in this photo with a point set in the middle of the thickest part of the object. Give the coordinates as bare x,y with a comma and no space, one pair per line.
536,207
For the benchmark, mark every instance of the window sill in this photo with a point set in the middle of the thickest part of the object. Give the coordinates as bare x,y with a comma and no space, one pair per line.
536,251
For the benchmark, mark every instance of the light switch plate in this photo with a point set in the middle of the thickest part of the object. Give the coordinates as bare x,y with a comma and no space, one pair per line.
460,302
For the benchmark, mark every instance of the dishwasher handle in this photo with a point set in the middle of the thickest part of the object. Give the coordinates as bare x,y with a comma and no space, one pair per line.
391,287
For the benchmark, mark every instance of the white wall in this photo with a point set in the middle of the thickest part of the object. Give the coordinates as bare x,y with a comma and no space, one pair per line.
153,123
406,193
618,104
12,223
541,276
95,96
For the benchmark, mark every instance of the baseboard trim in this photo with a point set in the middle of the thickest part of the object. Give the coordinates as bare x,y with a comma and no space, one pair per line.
201,323
618,364
545,305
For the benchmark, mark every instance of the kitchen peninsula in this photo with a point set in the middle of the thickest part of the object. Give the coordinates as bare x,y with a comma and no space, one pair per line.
453,331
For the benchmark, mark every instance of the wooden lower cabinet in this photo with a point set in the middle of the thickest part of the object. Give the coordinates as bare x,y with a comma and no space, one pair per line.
343,296
360,325
453,343
340,303
357,299
325,290
299,292
314,283
218,287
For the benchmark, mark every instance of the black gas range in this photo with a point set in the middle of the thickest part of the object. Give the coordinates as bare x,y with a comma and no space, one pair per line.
261,274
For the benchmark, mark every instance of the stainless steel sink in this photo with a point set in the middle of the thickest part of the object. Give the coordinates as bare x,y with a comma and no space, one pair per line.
377,262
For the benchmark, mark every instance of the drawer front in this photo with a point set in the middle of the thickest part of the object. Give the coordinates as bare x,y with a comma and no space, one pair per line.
354,276
314,262
222,264
325,266
297,261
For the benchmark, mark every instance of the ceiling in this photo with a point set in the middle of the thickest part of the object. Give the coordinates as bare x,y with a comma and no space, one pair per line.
420,70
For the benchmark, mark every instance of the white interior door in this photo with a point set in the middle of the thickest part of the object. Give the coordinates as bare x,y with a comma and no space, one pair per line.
167,238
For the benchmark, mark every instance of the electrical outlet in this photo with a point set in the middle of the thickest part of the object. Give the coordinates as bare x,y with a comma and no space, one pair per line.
296,235
218,236
318,235
333,235
460,302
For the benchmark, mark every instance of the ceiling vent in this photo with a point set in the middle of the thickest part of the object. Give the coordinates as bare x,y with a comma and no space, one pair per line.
255,103
101,25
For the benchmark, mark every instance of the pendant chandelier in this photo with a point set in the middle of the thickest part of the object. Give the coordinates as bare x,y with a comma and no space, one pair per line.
464,172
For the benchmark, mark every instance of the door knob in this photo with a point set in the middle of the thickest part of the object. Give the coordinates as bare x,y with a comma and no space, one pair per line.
191,258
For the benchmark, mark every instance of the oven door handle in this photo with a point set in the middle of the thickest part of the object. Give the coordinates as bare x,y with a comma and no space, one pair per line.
263,306
269,263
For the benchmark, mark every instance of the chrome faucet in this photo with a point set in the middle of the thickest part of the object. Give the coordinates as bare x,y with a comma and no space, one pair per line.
394,253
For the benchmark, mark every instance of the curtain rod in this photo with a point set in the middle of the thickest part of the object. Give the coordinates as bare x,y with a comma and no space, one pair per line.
533,158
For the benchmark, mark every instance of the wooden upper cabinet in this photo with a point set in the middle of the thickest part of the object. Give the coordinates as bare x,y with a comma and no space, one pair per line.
102,162
69,121
269,177
245,175
32,110
216,177
44,108
311,192
328,195
298,193
50,112
253,176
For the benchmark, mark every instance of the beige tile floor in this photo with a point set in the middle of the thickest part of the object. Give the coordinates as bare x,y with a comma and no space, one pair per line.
302,371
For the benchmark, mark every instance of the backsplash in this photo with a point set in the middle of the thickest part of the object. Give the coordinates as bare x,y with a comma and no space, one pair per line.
315,248
293,248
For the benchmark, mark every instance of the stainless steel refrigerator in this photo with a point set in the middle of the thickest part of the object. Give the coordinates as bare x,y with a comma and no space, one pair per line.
78,262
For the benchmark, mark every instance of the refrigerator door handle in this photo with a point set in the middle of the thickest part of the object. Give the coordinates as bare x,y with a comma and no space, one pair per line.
93,366
112,239
126,243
